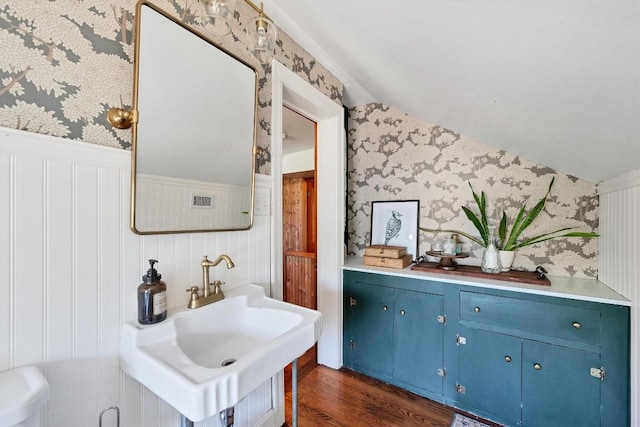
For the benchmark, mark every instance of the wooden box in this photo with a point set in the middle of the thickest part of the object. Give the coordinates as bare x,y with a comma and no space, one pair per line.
384,251
377,261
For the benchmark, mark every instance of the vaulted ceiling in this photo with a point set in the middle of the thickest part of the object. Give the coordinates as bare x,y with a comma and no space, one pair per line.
556,82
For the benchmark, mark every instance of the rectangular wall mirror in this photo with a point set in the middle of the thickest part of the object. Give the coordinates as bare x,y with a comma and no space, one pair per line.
193,158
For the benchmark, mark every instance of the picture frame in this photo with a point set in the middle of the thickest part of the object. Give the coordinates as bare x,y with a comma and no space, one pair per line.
386,214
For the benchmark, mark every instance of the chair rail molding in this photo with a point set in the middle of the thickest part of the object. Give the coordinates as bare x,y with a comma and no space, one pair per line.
70,267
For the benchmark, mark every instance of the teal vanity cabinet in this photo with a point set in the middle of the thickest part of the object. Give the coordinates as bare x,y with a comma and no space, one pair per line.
515,357
540,361
368,328
556,381
489,375
393,331
508,379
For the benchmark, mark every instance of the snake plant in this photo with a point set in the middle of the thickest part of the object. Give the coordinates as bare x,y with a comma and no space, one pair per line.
509,241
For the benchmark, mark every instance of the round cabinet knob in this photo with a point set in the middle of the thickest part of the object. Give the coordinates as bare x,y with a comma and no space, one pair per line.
384,308
477,309
507,359
537,366
402,312
577,325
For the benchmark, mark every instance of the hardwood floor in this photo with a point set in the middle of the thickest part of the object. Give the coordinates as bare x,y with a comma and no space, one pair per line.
327,397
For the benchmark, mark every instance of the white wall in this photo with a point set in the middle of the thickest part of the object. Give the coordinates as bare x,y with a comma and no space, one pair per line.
167,204
69,269
619,265
299,161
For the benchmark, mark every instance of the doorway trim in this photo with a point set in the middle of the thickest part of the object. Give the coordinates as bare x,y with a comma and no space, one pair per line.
291,90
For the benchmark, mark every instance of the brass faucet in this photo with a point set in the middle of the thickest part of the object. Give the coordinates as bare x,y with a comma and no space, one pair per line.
208,296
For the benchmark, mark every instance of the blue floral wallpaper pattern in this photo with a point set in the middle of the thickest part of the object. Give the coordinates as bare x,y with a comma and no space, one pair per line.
64,64
392,156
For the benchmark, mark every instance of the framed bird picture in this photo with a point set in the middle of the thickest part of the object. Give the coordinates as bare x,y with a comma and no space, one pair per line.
395,223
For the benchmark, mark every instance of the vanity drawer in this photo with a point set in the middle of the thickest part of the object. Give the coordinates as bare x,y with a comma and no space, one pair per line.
541,318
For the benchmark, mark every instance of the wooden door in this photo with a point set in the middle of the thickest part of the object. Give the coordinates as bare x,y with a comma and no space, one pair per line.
299,240
300,279
299,244
299,212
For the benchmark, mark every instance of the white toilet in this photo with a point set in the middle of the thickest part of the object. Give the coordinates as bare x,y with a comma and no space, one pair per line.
23,392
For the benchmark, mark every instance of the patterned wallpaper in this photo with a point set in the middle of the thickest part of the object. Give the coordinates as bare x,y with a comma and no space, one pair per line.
64,64
392,156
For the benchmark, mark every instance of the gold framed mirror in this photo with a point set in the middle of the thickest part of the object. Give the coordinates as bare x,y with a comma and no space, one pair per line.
194,130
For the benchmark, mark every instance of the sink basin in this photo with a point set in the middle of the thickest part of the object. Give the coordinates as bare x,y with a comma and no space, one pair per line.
23,391
204,360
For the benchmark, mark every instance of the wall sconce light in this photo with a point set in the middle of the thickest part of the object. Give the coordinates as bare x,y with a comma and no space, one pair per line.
217,13
261,35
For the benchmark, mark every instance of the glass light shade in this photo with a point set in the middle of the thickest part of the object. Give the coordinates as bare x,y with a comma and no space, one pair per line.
261,38
217,14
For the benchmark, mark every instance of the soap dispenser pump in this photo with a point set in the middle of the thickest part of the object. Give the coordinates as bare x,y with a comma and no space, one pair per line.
152,297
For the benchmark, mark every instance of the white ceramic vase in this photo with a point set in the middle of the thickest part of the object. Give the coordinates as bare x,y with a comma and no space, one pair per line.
506,259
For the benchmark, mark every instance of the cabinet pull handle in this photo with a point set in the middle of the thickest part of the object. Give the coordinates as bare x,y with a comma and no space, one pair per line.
402,312
537,366
384,308
477,309
577,325
507,359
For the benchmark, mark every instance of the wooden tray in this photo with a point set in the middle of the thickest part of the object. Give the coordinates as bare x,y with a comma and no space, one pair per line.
517,276
447,262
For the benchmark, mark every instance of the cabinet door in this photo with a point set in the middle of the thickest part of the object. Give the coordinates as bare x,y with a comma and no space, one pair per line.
489,381
418,345
557,387
370,340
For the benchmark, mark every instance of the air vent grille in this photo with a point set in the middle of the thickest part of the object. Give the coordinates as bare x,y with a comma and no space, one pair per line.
202,201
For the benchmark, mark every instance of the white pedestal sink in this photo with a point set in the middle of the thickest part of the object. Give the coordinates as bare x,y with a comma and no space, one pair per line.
204,360
23,392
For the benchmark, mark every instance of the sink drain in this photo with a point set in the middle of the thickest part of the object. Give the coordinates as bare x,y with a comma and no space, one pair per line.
228,362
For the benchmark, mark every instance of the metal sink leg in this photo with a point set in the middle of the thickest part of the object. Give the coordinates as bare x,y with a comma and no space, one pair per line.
294,393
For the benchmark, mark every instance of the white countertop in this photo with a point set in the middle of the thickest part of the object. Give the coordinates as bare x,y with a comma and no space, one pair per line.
564,287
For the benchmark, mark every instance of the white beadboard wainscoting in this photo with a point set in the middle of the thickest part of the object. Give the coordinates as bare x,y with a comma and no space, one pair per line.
70,267
168,204
619,265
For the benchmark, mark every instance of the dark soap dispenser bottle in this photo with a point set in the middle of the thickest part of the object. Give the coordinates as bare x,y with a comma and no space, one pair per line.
152,297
